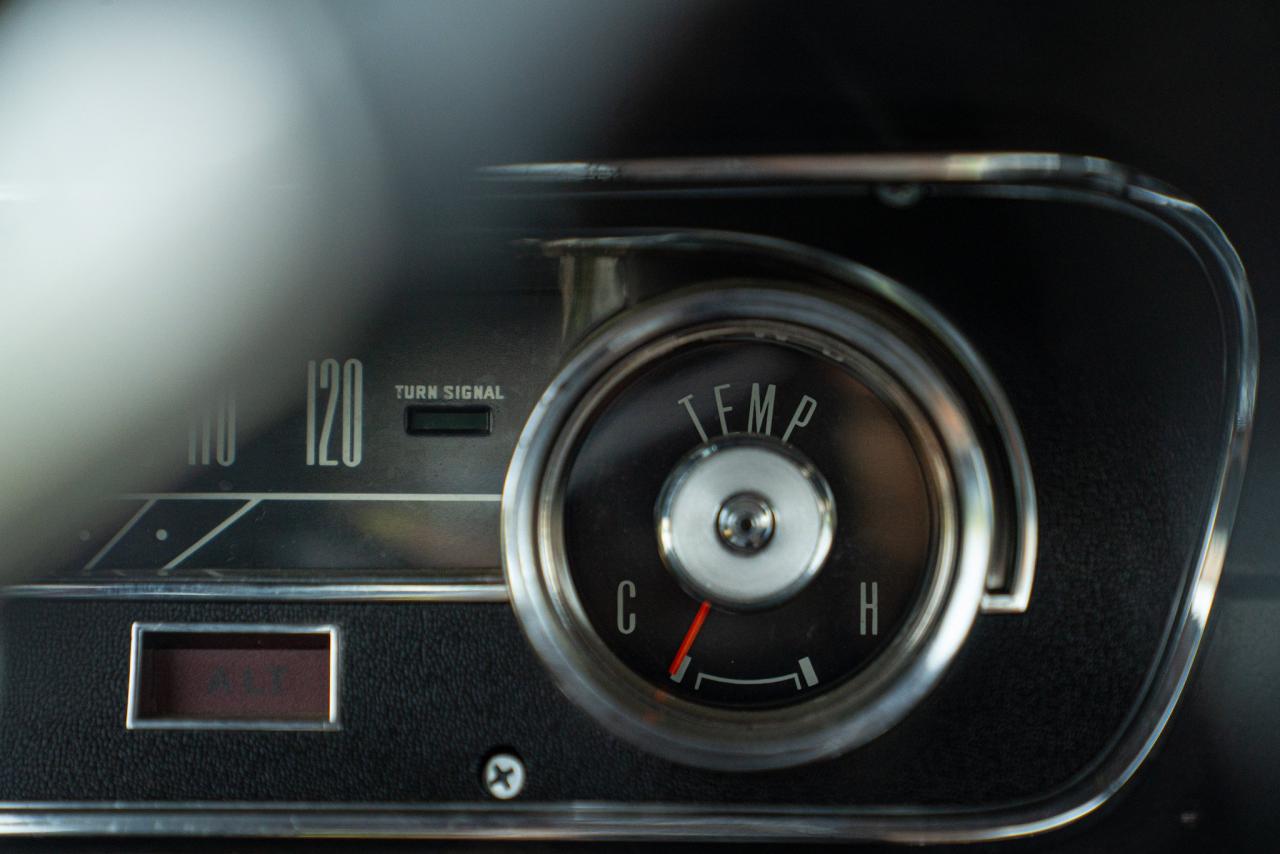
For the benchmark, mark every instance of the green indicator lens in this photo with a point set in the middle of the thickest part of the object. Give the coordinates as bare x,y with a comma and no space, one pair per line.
448,420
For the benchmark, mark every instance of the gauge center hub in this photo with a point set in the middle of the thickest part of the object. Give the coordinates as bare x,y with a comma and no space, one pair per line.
745,522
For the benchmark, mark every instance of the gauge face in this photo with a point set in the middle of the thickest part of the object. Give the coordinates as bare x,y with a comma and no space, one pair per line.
381,459
747,523
749,526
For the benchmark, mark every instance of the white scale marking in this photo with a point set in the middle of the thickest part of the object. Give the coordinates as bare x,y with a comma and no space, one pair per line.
806,670
119,535
200,543
679,674
770,680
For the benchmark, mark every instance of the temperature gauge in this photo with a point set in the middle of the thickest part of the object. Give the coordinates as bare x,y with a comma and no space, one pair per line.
745,569
748,527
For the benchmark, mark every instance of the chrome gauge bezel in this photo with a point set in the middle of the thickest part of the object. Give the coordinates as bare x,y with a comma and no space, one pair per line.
951,453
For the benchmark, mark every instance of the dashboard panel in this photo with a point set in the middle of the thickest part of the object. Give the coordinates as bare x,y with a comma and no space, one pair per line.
990,411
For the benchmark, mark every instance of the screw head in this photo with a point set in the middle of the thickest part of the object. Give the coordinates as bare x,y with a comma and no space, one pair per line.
503,775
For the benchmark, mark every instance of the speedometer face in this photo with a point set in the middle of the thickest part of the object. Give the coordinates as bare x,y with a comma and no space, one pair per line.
746,522
376,457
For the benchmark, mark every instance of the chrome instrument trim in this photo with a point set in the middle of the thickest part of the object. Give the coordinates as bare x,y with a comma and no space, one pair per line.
952,461
394,497
957,167
492,589
139,632
1052,176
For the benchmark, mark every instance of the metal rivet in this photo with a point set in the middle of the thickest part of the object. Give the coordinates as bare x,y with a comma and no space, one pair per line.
503,775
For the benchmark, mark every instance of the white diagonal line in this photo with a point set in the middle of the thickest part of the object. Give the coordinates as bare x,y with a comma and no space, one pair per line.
222,526
119,535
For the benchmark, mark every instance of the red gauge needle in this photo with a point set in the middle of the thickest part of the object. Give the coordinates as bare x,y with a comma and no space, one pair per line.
694,627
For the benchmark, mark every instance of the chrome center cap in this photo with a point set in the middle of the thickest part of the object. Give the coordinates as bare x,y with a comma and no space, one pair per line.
745,522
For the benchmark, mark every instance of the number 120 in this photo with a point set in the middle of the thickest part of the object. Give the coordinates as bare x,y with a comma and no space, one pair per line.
345,386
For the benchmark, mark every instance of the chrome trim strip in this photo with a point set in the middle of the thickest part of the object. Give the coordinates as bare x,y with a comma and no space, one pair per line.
1013,596
570,820
138,633
371,591
1088,180
425,497
961,167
